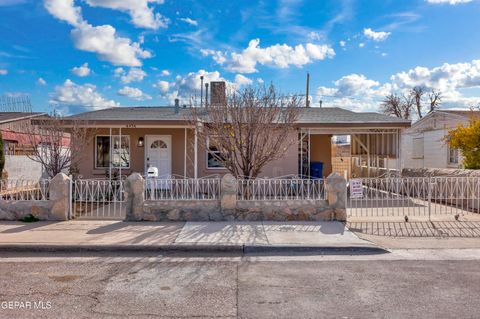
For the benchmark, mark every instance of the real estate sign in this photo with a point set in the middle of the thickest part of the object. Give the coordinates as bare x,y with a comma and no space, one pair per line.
356,189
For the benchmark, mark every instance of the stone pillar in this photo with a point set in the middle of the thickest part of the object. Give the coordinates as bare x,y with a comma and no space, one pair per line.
60,197
336,188
135,196
228,193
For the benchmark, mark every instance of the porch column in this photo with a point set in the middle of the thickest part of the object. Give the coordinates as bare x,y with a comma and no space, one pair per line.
185,154
195,155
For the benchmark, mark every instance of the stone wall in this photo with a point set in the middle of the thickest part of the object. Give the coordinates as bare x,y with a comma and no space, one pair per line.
229,208
56,208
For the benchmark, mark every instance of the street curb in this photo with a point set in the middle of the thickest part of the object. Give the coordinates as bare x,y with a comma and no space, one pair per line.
199,249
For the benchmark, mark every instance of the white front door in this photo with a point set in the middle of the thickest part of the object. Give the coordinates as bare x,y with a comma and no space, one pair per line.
158,154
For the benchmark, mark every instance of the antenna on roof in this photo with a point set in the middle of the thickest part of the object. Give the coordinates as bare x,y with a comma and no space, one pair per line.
307,103
15,103
201,90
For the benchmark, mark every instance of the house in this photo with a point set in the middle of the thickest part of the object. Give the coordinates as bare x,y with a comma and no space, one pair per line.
15,128
131,139
424,144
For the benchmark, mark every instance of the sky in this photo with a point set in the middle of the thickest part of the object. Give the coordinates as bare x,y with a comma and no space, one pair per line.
82,55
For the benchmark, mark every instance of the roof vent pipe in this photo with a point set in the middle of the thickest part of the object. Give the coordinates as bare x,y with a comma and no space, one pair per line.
206,94
177,106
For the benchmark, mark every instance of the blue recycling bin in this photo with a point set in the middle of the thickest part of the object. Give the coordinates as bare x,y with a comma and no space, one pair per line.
316,169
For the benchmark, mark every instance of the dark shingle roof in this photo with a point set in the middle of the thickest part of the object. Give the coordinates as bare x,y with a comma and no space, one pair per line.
6,117
313,115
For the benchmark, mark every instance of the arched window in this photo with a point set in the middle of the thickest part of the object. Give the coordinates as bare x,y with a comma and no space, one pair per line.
158,144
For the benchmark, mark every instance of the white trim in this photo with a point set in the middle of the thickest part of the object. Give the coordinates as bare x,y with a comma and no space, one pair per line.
146,146
222,168
95,152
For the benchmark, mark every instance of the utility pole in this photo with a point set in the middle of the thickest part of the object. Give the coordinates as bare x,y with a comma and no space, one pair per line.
201,90
206,94
307,103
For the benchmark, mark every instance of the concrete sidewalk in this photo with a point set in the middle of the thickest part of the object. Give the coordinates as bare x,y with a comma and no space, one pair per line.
190,236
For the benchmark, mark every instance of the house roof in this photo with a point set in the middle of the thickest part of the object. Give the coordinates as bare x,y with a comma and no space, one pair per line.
308,116
465,113
7,117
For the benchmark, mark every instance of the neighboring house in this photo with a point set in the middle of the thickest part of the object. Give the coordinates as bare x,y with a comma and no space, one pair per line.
131,139
15,127
424,146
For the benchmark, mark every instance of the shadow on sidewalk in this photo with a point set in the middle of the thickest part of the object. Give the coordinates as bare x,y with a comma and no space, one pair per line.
21,227
453,229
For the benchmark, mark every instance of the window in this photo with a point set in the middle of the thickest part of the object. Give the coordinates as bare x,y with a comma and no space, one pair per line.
417,145
213,154
452,156
158,144
120,156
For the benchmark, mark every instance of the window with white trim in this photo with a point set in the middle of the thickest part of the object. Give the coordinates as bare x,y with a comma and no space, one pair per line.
120,151
452,155
417,147
213,154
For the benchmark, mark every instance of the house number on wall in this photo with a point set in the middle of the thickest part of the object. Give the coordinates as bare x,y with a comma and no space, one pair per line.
130,126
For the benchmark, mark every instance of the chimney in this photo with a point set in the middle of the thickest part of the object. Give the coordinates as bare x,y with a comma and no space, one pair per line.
206,94
177,106
218,93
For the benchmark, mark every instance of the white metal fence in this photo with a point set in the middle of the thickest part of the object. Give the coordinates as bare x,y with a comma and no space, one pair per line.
415,196
93,198
20,189
281,189
182,189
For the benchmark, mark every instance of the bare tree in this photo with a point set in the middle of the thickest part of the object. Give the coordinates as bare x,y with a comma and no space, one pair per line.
417,94
253,127
399,106
435,98
58,144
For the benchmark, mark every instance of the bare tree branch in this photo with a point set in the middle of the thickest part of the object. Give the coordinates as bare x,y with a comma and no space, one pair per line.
254,127
58,145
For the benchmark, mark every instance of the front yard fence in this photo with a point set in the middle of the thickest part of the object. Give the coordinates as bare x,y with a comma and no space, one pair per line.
281,189
21,189
157,189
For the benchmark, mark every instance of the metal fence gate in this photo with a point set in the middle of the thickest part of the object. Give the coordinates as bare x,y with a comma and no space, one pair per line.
98,199
404,197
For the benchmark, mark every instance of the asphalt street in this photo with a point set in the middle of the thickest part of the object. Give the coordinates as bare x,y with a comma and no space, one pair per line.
110,286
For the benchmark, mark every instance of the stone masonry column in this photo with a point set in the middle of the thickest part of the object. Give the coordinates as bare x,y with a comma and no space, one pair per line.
228,193
135,196
60,197
336,188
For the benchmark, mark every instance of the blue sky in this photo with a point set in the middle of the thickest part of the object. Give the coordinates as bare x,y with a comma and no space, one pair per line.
81,55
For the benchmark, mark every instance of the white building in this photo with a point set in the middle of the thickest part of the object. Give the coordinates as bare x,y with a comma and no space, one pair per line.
424,145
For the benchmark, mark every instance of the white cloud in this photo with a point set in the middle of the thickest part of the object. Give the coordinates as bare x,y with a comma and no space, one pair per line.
376,36
133,75
101,40
448,78
278,55
85,96
142,15
357,92
163,86
64,10
343,43
165,73
241,80
189,21
82,70
41,81
134,93
3,72
452,2
361,45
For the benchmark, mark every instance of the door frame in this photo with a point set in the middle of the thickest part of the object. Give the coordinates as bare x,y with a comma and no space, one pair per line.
147,146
